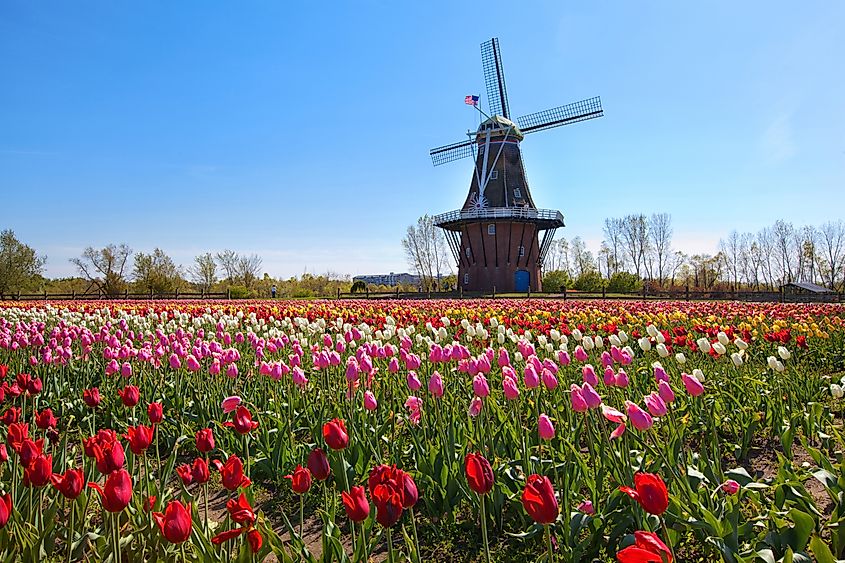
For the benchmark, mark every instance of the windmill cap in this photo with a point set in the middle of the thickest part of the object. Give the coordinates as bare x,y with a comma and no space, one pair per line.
501,125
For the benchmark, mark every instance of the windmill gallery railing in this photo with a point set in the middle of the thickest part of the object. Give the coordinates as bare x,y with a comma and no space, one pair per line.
513,213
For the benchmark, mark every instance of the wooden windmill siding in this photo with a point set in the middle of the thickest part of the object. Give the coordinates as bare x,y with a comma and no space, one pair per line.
499,237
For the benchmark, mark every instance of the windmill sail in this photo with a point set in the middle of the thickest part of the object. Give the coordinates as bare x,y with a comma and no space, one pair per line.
494,78
563,115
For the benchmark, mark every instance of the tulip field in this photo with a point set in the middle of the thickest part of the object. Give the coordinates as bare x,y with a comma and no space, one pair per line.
466,430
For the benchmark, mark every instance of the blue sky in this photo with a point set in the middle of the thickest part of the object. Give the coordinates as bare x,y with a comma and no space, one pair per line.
302,132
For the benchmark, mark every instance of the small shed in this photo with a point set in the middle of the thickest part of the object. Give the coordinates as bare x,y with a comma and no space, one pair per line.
807,291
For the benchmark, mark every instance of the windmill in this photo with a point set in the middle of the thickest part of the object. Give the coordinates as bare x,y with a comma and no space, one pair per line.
495,236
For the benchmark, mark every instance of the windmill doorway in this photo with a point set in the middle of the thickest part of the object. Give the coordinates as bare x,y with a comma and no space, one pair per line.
522,281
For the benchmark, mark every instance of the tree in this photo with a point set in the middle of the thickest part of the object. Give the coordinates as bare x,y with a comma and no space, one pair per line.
832,251
660,238
556,280
156,272
104,267
247,269
582,258
228,260
613,232
426,251
20,265
204,271
635,240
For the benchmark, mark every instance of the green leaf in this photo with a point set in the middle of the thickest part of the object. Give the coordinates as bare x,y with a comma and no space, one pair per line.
820,551
800,533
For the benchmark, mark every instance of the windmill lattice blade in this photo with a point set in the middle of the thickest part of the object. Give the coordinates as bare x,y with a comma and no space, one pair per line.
563,115
494,78
448,153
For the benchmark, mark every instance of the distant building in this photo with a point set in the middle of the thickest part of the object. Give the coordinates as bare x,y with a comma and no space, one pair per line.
806,291
390,279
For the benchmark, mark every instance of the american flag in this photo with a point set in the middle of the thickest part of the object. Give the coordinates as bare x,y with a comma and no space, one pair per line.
471,100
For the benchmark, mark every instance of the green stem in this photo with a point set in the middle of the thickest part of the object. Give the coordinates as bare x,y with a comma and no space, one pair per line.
416,540
549,543
390,557
484,529
302,515
666,537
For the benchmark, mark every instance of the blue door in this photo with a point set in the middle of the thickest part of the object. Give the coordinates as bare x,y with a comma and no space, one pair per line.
522,279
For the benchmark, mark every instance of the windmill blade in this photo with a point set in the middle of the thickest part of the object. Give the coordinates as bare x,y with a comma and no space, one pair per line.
563,115
448,153
494,78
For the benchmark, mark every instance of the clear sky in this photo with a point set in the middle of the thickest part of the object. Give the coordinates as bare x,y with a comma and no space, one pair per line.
300,131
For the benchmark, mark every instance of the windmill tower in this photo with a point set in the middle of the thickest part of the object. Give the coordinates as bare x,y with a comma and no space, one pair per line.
495,236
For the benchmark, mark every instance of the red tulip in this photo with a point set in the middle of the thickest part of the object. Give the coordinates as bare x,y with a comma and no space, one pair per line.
39,471
388,503
129,395
16,434
11,416
45,419
204,440
70,484
318,464
5,509
479,473
184,473
91,397
300,480
650,491
175,523
199,471
155,412
140,437
240,511
242,421
232,474
117,491
29,450
4,370
4,455
35,386
110,456
409,491
355,503
648,548
334,433
539,501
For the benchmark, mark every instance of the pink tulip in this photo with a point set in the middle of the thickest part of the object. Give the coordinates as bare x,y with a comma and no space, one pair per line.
577,399
580,354
508,373
214,368
618,432
549,379
175,363
370,402
545,427
606,359
563,357
621,379
655,404
660,374
351,369
299,378
612,414
665,391
232,370
475,407
730,487
230,403
191,363
393,365
125,369
639,418
693,385
414,382
480,386
510,387
609,377
531,379
435,385
504,359
588,374
591,396
586,507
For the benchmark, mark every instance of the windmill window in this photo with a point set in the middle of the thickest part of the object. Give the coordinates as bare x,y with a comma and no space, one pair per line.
494,174
468,252
517,193
466,279
522,251
491,229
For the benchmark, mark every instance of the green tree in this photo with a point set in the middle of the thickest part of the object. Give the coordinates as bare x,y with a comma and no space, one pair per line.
20,265
624,282
203,272
156,272
556,280
590,280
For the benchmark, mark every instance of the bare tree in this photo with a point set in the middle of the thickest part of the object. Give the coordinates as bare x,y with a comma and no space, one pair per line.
613,232
247,269
104,267
582,258
731,250
660,237
203,272
635,241
832,251
228,261
20,265
426,251
783,234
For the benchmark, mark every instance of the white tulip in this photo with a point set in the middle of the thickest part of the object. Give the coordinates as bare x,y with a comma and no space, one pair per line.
517,357
698,374
599,342
652,331
741,344
662,351
550,348
660,338
779,367
500,338
703,345
720,348
494,322
723,338
576,334
645,344
623,336
784,353
681,359
555,334
614,341
587,343
736,358
771,361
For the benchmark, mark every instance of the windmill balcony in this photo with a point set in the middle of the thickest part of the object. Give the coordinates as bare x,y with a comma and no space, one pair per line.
543,218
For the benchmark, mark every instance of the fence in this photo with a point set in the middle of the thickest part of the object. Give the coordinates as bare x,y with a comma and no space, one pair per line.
682,294
99,295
